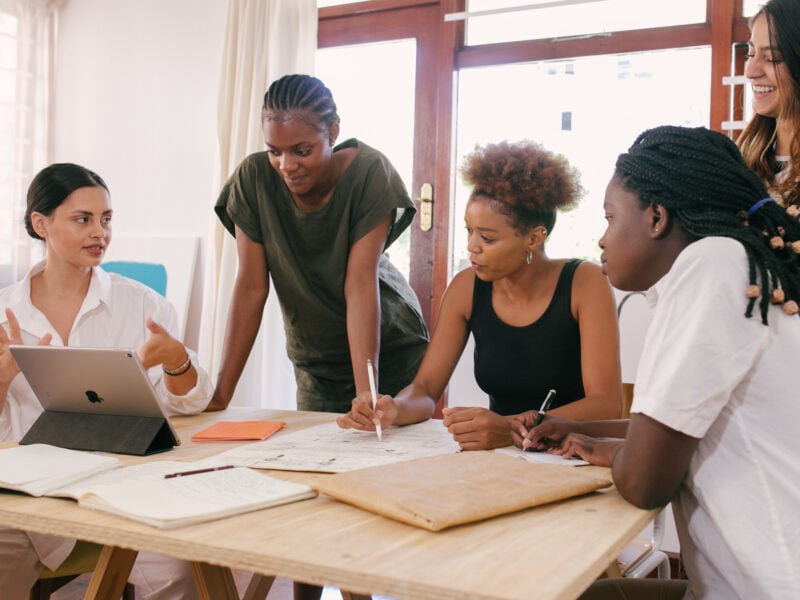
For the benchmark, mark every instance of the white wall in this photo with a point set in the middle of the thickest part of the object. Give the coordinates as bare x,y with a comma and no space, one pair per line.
136,101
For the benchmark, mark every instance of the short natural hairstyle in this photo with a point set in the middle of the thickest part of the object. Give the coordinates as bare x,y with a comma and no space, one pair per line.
52,185
702,179
526,182
757,139
293,93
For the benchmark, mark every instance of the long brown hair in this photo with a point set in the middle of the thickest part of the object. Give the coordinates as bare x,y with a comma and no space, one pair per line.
756,141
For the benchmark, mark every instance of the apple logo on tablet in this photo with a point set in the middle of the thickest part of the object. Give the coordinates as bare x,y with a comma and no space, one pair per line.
93,397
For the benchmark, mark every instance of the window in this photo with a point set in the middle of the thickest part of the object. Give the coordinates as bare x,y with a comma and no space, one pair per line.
513,20
582,80
607,100
27,39
8,93
375,99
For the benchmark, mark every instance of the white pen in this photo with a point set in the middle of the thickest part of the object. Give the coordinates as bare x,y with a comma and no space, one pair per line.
374,396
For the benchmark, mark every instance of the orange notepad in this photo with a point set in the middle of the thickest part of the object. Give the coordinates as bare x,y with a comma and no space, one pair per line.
226,431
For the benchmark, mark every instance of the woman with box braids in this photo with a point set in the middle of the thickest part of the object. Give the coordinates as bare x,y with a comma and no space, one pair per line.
700,178
715,411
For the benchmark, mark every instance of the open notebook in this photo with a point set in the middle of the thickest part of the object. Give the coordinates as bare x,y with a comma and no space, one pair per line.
163,494
441,491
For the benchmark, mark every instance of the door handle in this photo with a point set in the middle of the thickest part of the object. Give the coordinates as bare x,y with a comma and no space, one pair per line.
426,207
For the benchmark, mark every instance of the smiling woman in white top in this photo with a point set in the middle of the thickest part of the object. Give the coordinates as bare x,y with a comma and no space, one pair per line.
69,300
770,143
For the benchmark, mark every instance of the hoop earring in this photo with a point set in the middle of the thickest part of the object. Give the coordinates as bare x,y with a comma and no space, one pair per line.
528,257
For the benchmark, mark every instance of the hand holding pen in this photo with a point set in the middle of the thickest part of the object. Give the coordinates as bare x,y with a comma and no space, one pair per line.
523,430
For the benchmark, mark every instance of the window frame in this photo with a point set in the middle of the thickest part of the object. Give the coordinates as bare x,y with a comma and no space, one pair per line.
724,27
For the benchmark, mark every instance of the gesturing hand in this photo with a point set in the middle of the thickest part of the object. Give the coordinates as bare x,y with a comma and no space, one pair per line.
8,366
161,348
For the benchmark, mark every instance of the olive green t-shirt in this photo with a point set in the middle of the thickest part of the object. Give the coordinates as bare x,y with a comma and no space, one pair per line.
307,254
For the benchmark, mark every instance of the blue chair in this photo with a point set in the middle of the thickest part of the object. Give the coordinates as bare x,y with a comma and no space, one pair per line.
151,274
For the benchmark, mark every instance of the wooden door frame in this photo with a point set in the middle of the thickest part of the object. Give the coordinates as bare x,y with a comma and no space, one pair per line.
384,20
441,59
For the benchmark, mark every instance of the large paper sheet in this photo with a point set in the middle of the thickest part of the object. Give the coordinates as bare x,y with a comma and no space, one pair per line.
329,449
542,458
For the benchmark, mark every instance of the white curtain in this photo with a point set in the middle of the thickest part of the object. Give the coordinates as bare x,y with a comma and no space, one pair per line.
36,25
264,40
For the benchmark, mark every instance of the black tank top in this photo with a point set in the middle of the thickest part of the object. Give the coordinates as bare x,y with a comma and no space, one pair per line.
517,366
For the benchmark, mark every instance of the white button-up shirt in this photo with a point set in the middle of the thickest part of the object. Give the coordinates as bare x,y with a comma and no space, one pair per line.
112,315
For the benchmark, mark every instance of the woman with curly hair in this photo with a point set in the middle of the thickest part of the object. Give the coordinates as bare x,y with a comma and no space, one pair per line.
770,143
538,323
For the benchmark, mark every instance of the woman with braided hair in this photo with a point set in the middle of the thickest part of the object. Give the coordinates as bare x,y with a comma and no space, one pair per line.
770,143
713,424
316,218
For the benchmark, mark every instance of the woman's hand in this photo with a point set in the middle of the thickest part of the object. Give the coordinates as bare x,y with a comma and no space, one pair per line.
161,348
477,428
361,415
548,434
598,451
520,426
8,366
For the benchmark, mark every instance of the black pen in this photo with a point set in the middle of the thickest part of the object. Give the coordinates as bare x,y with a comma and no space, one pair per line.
196,471
544,408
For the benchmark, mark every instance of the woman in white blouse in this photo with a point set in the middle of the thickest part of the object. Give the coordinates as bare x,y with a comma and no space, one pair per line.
69,300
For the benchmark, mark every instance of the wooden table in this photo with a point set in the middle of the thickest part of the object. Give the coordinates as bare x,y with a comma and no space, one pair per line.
548,552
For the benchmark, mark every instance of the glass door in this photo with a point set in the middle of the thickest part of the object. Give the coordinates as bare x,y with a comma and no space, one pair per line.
381,68
589,109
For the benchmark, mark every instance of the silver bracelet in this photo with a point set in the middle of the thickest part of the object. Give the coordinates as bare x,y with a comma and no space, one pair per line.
179,370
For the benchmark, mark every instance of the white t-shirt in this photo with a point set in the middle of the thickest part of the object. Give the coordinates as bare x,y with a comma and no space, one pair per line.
713,374
112,316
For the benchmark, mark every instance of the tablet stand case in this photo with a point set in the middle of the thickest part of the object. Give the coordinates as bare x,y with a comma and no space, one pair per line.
104,433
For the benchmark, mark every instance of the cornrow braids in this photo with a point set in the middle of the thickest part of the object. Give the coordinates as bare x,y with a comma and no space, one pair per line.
700,176
292,93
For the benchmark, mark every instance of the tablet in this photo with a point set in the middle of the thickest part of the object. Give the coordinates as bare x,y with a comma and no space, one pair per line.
103,392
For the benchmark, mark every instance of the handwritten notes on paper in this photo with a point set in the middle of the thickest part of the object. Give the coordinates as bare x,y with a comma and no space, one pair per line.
329,449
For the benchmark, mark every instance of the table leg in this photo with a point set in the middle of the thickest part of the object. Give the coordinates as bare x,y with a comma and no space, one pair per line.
214,583
111,573
259,587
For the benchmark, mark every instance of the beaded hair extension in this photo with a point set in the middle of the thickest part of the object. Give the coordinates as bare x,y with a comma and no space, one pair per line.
700,176
293,93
